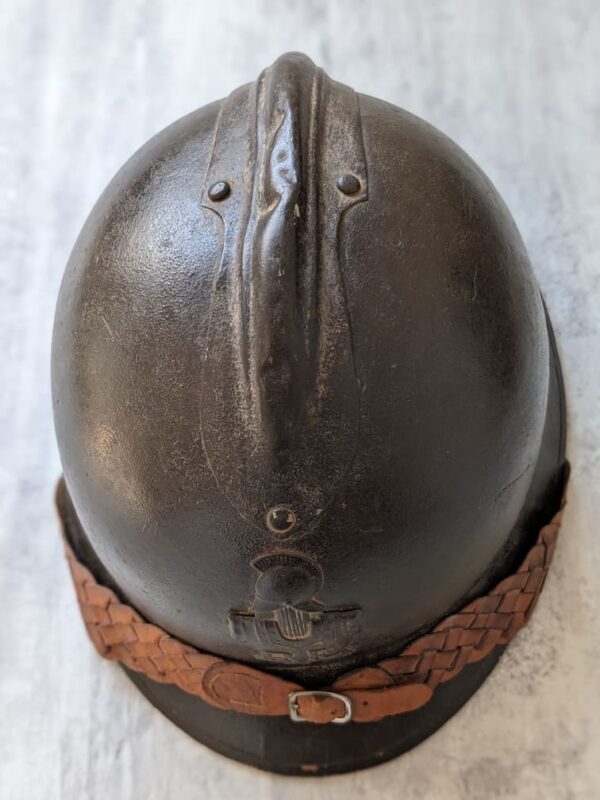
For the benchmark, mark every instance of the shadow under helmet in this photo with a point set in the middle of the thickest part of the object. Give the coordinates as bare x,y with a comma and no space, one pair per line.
311,420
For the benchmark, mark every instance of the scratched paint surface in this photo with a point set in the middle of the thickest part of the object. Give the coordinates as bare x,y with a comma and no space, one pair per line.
82,85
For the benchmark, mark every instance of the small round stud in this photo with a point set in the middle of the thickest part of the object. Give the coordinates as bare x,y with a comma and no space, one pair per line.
280,520
348,184
219,191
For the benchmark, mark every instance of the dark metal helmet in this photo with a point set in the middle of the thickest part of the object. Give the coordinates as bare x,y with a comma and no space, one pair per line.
308,405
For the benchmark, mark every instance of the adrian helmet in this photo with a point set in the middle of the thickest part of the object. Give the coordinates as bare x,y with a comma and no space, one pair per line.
311,420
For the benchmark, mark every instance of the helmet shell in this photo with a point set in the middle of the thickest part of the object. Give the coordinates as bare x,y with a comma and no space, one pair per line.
300,374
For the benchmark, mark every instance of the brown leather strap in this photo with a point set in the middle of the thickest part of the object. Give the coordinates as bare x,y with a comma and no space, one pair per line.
393,686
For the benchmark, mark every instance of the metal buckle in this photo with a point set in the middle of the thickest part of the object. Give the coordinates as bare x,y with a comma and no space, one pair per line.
294,708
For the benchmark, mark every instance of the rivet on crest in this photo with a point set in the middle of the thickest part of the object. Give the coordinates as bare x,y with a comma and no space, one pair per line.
280,519
348,184
219,191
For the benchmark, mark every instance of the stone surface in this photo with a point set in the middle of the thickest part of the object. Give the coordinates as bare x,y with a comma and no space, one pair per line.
82,85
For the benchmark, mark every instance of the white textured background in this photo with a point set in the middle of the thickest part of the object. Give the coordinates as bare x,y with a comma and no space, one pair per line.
82,85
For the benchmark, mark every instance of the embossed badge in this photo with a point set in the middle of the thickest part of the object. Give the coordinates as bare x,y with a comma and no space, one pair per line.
286,620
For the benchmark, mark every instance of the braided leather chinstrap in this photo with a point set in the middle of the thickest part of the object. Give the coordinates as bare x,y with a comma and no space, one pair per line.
392,686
